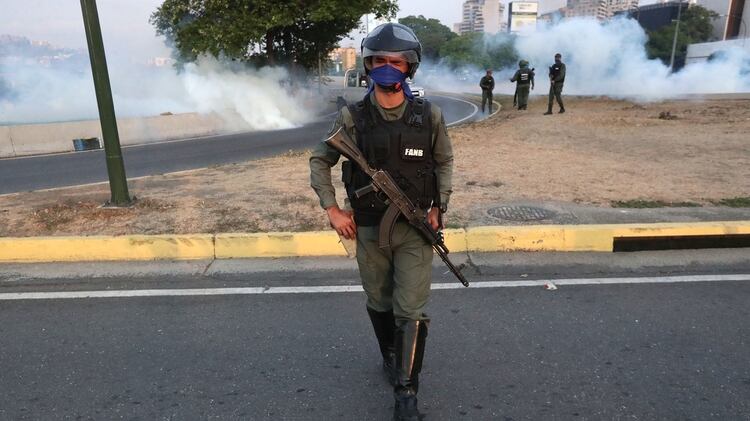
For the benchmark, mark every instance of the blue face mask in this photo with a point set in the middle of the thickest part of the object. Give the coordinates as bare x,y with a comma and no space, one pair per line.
388,76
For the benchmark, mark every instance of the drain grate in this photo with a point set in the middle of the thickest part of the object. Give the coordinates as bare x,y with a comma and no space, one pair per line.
520,213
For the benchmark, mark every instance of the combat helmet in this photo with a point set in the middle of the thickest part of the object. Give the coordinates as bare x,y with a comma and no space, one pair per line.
523,63
392,39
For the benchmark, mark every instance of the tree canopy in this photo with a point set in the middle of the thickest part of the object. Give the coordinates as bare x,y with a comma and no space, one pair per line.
289,32
431,33
695,26
480,50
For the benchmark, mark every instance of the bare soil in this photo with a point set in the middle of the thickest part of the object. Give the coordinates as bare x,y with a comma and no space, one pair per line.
599,152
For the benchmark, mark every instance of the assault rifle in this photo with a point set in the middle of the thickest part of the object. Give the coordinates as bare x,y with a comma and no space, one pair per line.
398,202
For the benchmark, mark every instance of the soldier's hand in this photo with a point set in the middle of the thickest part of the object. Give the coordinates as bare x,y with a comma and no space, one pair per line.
343,222
433,217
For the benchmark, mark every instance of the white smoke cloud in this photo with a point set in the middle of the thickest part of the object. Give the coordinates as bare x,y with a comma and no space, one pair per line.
263,99
610,59
249,99
602,59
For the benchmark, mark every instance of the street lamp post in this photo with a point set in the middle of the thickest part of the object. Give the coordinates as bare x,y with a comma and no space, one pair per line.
118,183
674,40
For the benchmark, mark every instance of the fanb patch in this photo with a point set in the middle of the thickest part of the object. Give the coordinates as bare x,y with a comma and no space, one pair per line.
412,153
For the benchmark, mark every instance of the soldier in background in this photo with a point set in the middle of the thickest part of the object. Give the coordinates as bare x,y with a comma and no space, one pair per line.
524,79
487,83
556,79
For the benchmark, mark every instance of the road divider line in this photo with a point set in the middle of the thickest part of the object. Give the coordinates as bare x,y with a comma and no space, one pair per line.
357,288
454,123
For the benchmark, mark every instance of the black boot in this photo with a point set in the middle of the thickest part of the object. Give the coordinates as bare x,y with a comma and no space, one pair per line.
384,324
410,343
549,111
562,110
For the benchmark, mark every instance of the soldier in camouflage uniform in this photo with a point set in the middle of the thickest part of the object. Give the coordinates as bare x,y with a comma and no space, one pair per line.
487,83
556,81
407,137
524,79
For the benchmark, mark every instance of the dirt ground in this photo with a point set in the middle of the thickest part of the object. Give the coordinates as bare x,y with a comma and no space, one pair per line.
599,152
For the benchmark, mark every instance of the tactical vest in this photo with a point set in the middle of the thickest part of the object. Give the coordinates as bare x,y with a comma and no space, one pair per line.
524,77
554,71
401,147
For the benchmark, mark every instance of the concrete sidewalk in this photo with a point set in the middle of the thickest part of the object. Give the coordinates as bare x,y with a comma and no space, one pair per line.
528,226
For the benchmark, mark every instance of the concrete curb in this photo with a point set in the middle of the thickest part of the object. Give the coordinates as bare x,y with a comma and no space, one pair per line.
598,238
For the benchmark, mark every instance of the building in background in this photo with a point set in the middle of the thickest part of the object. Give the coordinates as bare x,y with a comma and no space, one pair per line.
730,30
552,17
707,51
481,16
522,16
620,6
655,16
471,17
586,8
599,9
492,12
343,59
734,16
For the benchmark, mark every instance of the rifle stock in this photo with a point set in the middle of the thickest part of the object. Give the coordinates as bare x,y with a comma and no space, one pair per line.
341,141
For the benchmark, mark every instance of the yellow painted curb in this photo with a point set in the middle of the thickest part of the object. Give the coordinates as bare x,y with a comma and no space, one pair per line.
326,243
587,237
135,247
455,240
278,244
288,244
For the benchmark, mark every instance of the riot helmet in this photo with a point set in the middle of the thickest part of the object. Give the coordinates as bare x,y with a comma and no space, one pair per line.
392,39
523,63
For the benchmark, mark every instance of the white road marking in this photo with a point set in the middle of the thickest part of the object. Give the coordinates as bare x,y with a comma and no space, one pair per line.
356,288
497,109
453,123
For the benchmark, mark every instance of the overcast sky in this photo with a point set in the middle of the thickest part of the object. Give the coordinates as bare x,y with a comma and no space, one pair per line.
125,22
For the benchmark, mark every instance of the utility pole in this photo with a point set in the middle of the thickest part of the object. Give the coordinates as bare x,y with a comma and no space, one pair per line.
676,31
118,183
320,73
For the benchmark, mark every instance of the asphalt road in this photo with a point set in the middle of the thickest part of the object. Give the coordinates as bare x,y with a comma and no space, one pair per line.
68,169
652,351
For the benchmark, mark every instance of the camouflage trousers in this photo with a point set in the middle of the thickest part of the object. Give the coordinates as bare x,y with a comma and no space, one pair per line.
555,92
487,98
523,95
398,278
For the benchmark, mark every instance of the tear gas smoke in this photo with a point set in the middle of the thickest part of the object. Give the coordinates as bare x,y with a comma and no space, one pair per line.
602,59
248,99
262,99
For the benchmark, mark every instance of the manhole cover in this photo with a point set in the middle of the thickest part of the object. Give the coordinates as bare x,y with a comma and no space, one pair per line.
520,213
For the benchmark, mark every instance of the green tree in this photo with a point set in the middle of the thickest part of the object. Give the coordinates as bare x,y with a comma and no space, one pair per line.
431,33
480,50
695,26
460,51
289,32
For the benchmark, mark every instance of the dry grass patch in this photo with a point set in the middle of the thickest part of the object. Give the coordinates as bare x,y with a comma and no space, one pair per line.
601,151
